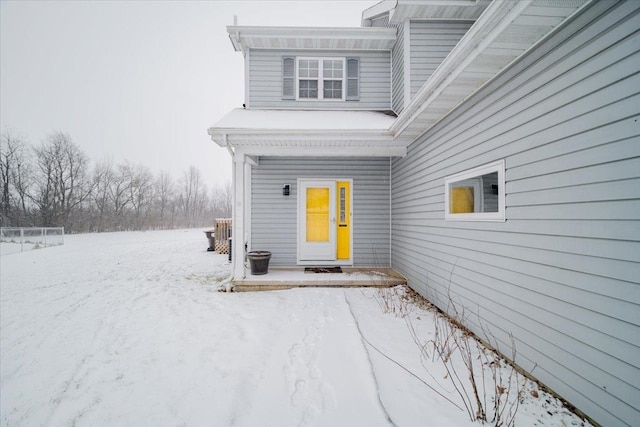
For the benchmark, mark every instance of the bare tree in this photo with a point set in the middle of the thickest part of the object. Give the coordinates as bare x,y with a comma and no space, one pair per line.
141,194
191,194
165,197
120,195
61,180
22,179
51,185
102,176
11,156
226,199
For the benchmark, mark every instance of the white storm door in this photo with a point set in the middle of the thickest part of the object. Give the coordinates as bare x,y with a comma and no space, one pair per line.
317,220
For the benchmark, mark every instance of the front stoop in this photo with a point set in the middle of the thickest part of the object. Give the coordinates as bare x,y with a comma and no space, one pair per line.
288,278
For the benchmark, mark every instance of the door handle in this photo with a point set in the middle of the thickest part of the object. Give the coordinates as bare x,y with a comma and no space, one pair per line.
333,220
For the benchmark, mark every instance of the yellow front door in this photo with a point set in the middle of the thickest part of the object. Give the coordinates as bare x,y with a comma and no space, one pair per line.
324,219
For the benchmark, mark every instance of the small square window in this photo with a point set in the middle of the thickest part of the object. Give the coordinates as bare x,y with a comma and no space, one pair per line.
332,69
308,68
332,89
477,194
308,89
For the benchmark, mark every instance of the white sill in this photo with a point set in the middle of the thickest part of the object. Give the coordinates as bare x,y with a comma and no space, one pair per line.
494,216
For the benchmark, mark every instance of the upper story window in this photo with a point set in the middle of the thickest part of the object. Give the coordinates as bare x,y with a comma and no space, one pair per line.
320,78
305,78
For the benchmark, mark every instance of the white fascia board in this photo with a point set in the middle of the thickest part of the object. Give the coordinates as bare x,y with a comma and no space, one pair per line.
495,19
346,134
332,32
254,37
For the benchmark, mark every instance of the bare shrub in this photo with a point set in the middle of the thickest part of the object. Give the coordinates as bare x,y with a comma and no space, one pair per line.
488,386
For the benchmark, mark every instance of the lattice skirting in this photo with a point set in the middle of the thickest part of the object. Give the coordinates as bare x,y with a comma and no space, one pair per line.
222,247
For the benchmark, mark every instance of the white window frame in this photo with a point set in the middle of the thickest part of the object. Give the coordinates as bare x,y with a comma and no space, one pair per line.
472,177
321,78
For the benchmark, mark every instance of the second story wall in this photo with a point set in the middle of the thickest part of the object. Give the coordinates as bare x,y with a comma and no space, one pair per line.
431,42
266,76
397,60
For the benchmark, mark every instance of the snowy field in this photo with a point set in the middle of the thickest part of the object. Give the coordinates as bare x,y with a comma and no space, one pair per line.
128,329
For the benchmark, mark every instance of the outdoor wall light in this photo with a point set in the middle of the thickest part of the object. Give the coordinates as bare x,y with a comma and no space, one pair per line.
285,190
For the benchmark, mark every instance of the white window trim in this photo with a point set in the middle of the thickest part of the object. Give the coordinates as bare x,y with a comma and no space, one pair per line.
321,79
499,216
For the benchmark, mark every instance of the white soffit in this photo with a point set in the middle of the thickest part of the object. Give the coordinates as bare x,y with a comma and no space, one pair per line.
244,37
401,10
505,31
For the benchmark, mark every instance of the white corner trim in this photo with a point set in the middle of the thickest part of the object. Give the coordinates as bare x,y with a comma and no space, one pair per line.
406,79
247,84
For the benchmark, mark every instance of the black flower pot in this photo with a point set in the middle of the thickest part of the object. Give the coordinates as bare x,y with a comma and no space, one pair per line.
259,261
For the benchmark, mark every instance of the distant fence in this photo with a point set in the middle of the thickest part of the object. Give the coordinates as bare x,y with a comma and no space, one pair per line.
19,239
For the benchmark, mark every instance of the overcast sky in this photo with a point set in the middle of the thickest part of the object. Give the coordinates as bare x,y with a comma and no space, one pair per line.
137,80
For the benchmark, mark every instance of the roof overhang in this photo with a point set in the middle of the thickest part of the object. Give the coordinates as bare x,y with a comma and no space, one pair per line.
502,34
307,133
401,10
247,37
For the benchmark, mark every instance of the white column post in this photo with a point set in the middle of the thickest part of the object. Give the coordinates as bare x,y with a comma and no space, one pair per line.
237,257
247,204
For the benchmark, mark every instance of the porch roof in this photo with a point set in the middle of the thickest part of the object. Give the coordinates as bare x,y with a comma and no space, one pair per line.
307,132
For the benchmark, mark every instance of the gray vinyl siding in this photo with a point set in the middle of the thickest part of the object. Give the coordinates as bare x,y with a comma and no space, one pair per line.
397,63
265,80
397,77
381,21
274,216
562,273
431,42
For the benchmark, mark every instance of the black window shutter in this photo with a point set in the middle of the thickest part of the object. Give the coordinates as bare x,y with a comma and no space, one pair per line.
288,77
353,79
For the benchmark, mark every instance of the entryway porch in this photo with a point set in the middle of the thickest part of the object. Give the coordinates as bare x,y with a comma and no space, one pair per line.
279,278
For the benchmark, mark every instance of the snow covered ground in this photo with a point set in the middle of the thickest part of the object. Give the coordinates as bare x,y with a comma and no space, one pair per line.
127,329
